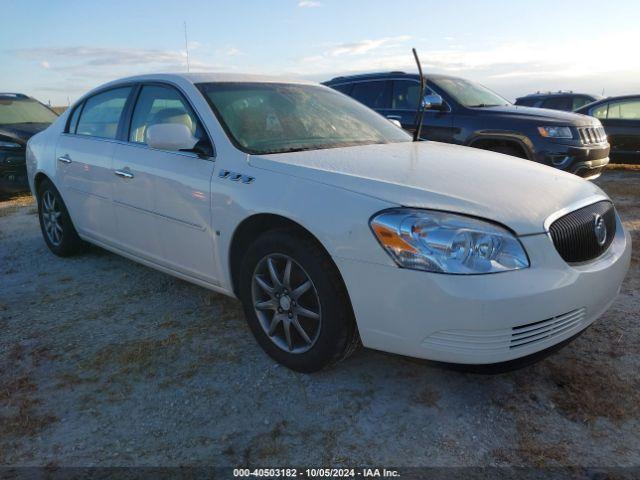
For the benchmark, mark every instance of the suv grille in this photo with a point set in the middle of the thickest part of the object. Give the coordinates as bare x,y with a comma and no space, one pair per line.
576,236
590,135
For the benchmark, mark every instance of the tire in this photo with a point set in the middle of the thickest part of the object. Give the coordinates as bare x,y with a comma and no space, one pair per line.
55,223
507,150
331,337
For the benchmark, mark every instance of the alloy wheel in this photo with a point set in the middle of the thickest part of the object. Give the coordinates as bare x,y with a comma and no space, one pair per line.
286,303
51,218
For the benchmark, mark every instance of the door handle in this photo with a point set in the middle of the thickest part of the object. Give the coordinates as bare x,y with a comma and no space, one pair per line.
126,173
64,158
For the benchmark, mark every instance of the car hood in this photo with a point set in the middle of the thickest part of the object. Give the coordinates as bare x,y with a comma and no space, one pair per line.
22,131
549,117
517,193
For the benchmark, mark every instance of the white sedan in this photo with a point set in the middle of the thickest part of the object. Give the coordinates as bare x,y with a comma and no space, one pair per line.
327,221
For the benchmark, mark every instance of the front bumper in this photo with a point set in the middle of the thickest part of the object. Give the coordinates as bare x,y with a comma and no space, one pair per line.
484,319
13,171
585,161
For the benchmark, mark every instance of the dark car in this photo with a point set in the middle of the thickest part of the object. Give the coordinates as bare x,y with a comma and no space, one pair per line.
21,117
567,101
466,113
620,117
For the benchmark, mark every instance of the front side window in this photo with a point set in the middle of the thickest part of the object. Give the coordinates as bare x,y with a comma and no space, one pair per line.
15,110
469,94
265,118
159,104
101,113
624,110
405,95
373,94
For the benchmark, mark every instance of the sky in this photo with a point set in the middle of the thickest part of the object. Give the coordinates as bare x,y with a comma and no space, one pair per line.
57,50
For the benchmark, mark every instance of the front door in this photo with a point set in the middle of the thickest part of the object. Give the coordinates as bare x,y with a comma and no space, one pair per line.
162,199
621,121
437,125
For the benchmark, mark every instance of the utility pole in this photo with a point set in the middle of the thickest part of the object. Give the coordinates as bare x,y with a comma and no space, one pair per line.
186,44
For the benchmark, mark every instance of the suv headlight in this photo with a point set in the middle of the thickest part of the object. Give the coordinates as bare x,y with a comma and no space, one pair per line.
10,145
444,242
555,132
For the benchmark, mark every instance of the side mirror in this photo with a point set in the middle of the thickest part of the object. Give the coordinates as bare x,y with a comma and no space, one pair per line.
170,136
395,122
432,102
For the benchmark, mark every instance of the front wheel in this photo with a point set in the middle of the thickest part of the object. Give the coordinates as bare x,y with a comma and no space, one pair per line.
57,229
295,302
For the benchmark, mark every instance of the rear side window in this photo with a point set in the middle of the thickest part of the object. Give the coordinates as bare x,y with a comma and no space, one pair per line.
160,105
374,94
580,102
101,113
558,103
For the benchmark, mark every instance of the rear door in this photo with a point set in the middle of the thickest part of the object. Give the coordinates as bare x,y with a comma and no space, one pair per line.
84,155
162,199
621,121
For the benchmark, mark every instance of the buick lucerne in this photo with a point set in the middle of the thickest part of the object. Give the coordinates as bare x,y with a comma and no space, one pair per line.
327,222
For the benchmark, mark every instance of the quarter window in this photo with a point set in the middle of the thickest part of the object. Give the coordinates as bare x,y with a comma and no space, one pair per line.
161,105
600,111
73,122
372,94
101,114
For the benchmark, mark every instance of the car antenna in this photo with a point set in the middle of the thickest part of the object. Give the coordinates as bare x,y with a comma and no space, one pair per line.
420,110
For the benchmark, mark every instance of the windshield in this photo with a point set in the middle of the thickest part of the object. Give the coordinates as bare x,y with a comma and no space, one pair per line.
264,118
24,110
469,94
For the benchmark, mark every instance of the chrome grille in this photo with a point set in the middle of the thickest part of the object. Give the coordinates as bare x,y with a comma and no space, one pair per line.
574,235
544,329
591,135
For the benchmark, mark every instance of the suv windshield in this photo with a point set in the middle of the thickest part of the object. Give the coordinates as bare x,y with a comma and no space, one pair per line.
23,110
263,118
469,94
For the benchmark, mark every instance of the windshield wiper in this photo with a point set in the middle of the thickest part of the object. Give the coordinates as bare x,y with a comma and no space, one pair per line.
420,111
483,105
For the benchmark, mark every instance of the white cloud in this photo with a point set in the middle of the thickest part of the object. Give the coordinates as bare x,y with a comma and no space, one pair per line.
309,4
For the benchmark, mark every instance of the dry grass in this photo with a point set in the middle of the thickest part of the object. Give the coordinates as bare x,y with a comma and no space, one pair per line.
624,166
587,391
19,406
15,203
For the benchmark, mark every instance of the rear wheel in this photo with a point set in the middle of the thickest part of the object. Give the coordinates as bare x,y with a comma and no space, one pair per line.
295,302
57,229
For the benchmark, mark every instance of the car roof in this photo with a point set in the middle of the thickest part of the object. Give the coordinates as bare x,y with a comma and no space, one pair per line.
212,77
558,94
383,75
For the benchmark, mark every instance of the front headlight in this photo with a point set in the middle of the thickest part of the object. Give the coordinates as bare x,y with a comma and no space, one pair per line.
444,242
555,132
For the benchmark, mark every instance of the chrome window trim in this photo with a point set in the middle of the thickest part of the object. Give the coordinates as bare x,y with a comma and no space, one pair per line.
138,145
141,84
573,207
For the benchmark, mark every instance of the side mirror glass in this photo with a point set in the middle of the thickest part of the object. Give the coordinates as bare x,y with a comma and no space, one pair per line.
170,136
432,102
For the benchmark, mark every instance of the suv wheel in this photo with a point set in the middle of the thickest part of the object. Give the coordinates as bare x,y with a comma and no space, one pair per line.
57,229
295,302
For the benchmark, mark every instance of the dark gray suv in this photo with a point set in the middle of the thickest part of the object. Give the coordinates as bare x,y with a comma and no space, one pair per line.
466,113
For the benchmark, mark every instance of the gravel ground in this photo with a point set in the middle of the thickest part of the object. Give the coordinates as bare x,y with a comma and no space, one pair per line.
104,362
